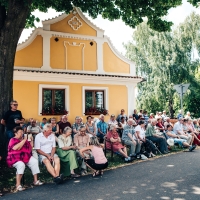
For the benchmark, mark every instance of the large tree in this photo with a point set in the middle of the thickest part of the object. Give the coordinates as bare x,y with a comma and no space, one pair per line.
166,59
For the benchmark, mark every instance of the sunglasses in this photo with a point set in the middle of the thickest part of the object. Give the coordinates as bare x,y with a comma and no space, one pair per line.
15,104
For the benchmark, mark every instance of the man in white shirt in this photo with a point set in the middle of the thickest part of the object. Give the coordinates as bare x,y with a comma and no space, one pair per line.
178,129
45,145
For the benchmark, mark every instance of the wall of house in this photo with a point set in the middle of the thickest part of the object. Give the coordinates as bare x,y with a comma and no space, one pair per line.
73,54
63,26
112,63
27,92
31,56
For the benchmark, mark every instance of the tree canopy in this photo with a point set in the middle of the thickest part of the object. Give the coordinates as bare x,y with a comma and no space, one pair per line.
132,12
167,59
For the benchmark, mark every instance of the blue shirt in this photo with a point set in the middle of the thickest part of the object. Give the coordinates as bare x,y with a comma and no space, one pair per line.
128,129
103,126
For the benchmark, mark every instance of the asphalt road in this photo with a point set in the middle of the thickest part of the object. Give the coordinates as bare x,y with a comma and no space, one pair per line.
174,177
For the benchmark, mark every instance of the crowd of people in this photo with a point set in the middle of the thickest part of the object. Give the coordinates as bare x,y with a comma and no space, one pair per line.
64,147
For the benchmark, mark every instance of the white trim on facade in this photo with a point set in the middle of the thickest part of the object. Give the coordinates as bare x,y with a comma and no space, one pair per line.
131,98
41,86
69,78
106,97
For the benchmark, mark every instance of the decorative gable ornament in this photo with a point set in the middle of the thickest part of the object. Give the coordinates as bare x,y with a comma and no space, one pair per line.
75,23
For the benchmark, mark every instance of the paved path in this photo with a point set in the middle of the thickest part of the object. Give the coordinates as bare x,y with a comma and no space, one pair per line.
172,177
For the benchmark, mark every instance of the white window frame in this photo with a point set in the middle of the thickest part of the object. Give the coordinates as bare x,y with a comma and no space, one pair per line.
105,89
42,86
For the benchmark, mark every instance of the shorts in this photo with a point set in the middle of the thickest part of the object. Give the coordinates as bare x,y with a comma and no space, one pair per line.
41,157
96,166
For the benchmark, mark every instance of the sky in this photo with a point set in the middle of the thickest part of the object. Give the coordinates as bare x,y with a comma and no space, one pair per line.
118,32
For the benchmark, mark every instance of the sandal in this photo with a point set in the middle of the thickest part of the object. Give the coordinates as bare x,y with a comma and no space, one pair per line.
38,183
19,188
95,174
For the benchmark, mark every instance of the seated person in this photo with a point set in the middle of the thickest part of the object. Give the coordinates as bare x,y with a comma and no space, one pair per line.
192,131
178,129
76,125
19,155
117,146
167,122
147,144
151,135
99,162
159,124
112,121
122,114
23,125
44,121
64,123
81,140
177,139
33,129
66,153
102,128
55,126
90,127
129,138
45,145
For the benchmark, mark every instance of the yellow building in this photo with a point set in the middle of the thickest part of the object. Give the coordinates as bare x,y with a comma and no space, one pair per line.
69,64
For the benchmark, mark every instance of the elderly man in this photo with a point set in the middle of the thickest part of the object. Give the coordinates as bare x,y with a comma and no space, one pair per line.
76,125
102,127
151,135
64,123
46,147
130,139
81,140
178,129
177,139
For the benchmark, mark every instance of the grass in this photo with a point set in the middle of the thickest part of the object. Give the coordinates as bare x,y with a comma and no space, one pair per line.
7,175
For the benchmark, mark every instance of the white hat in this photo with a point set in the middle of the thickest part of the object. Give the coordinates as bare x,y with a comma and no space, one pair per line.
170,142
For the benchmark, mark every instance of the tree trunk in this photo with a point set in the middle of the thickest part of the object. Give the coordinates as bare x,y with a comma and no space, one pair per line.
12,22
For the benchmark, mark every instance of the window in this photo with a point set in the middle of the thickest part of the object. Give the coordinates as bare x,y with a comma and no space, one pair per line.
53,99
95,100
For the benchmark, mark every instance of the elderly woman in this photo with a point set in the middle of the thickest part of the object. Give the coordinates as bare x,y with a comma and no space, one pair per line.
99,163
90,127
66,153
19,155
160,125
113,137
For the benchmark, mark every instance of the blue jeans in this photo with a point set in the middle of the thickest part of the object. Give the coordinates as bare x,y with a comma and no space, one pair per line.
179,141
9,134
101,137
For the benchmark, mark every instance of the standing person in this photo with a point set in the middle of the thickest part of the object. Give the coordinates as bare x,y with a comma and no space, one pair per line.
90,127
102,129
45,146
163,115
122,115
11,119
100,162
64,124
135,115
140,113
19,155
